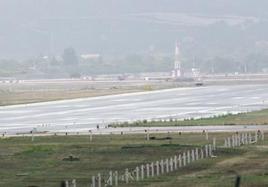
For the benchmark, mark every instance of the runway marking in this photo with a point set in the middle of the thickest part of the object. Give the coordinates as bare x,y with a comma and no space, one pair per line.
238,98
255,97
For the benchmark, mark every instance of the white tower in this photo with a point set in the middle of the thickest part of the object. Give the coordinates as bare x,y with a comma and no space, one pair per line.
177,72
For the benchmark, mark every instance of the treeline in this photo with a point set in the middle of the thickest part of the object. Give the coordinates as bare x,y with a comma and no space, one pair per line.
69,64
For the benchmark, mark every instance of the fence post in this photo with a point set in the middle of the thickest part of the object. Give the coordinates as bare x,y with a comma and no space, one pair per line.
214,144
237,181
175,162
236,141
196,154
74,183
147,171
93,181
246,138
229,142
116,178
157,168
206,150
99,180
188,157
152,168
171,164
167,166
180,161
243,138
239,140
32,132
210,150
193,155
137,174
233,141
142,172
201,153
206,135
162,167
250,138
126,175
110,178
184,159
256,136
67,183
147,136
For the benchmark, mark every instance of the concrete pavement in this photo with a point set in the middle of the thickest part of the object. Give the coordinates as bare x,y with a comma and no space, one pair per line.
177,103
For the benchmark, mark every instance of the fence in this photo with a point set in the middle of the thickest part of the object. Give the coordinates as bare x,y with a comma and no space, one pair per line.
165,166
247,138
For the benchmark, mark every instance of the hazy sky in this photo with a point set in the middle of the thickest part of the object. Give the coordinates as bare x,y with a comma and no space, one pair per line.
32,27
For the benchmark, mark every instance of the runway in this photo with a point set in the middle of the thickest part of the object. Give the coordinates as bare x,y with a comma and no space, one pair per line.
85,114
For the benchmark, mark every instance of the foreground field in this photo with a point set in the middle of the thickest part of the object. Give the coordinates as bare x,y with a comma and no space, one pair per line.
250,118
41,163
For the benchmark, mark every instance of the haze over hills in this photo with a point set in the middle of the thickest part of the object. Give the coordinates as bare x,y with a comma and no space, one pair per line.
206,29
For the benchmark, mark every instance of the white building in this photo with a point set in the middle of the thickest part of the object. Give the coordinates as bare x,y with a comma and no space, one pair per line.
90,57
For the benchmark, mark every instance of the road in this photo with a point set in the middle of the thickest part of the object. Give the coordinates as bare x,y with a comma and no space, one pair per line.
176,103
150,130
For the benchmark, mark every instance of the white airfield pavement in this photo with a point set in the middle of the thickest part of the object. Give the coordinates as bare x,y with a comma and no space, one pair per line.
85,114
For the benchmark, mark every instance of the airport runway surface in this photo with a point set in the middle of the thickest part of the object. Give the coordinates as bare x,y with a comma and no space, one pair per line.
81,114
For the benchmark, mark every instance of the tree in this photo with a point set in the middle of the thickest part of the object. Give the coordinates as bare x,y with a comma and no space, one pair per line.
69,57
70,61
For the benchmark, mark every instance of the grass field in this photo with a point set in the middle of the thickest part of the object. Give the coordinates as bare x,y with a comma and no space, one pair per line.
250,118
22,97
22,93
40,163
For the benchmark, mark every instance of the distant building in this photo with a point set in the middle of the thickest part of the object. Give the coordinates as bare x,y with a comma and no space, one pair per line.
195,72
90,57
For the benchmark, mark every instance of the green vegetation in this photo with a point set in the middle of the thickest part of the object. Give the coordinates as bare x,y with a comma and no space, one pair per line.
70,64
250,118
43,162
